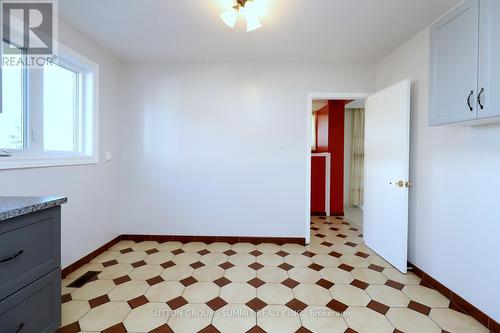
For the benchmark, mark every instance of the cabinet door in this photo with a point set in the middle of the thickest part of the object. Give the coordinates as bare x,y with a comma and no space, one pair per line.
489,59
454,62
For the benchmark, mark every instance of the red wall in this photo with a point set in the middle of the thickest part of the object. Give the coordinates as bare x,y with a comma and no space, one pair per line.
336,111
318,178
322,130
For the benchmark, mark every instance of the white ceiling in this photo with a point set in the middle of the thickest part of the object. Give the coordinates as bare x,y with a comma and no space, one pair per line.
293,30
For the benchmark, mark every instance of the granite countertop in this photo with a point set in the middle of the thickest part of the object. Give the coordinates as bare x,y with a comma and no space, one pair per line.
16,206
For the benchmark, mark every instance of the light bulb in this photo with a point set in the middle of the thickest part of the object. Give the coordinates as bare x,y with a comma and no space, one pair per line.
229,17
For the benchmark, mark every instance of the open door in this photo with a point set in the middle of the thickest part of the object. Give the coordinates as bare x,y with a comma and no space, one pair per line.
387,154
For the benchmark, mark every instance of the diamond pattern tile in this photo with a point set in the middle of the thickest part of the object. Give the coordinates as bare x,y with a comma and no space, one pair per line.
256,289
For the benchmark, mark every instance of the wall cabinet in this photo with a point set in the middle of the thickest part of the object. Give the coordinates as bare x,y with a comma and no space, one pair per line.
465,65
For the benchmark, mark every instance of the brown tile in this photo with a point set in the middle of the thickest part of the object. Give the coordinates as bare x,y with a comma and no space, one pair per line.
361,254
155,280
353,229
296,305
226,265
350,330
376,268
351,244
177,252
256,329
256,282
378,307
320,235
162,329
337,306
359,284
118,328
71,328
394,284
335,254
316,267
327,244
188,281
216,303
325,284
341,236
229,252
346,267
309,254
167,264
282,253
197,265
65,298
303,330
334,229
99,301
256,266
203,252
256,253
290,283
177,302
151,251
222,281
209,329
256,304
138,301
138,264
423,309
109,263
285,266
122,279
127,250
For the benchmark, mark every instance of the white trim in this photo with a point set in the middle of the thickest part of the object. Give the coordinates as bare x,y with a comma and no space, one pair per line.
328,172
307,152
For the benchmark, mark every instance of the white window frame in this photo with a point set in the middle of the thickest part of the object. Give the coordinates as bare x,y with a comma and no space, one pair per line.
34,156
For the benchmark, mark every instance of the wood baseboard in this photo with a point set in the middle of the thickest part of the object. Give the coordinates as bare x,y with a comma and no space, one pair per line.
459,302
183,239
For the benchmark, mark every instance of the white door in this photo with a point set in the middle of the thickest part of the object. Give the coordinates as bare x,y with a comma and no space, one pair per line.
387,153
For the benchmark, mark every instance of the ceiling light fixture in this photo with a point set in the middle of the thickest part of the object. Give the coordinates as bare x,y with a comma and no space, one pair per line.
247,9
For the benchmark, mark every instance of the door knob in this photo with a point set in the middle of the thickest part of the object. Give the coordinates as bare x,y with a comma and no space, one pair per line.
399,183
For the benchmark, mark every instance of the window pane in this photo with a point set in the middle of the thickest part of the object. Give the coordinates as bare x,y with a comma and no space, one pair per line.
12,116
60,105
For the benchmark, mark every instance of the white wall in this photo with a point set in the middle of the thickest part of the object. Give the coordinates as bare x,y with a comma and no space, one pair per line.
189,122
454,205
90,218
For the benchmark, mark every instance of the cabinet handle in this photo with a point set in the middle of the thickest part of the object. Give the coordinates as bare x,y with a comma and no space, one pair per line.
11,257
20,328
468,100
479,98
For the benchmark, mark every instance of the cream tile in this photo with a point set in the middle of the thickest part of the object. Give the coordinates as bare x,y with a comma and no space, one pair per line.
397,276
268,248
377,260
343,249
147,317
177,273
208,273
387,295
240,274
326,260
243,247
218,247
318,249
298,260
128,290
73,310
278,319
159,258
304,275
426,296
131,257
355,261
164,291
96,267
201,292
214,259
186,258
191,318
146,272
169,246
293,248
106,256
270,259
238,293
144,246
234,318
115,271
272,274
92,290
410,321
456,322
336,275
241,259
369,276
122,245
104,316
194,246
320,319
312,294
350,295
64,286
274,293
365,320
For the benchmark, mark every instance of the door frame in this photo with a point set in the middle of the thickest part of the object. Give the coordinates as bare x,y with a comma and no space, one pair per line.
310,98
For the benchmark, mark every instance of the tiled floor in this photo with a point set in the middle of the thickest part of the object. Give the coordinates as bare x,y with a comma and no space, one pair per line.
337,284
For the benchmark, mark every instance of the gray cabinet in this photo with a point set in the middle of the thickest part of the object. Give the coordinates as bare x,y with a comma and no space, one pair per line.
465,65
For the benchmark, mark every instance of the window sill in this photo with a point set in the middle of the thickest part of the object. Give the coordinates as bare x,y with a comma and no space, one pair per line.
26,162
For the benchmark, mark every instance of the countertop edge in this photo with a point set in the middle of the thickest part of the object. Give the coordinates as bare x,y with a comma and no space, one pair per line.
31,208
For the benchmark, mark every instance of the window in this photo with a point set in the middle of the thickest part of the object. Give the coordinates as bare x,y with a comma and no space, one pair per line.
49,114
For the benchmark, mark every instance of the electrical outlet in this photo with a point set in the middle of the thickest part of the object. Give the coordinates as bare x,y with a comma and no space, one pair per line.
108,156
